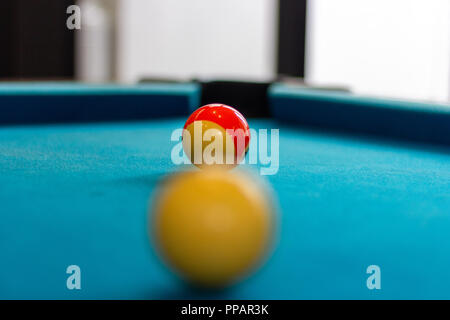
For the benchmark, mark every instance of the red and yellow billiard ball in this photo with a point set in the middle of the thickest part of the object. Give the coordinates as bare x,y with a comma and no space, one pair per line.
213,226
219,127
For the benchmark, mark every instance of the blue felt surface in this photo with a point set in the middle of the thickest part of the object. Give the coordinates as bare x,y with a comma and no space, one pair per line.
79,88
405,120
57,102
78,194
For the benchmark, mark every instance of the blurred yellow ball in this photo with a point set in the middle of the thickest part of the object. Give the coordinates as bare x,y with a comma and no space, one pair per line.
212,226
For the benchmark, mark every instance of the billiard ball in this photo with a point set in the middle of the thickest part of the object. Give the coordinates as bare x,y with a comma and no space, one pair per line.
216,135
212,226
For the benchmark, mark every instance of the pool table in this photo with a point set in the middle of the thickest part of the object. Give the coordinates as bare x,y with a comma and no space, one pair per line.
78,193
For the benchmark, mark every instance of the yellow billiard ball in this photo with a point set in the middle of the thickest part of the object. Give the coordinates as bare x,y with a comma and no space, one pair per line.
212,226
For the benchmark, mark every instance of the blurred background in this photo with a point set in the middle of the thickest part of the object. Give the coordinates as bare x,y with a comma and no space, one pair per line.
398,49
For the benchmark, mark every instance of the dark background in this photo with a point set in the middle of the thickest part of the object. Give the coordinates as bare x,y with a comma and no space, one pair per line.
36,43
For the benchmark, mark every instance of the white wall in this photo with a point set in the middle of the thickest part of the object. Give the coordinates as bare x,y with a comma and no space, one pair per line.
396,48
196,38
94,43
